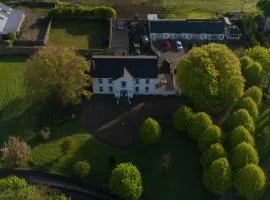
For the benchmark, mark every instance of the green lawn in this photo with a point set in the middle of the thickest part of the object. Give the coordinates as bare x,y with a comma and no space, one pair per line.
80,33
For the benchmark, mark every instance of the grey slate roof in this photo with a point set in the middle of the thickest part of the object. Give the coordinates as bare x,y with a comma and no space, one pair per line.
14,19
118,66
187,26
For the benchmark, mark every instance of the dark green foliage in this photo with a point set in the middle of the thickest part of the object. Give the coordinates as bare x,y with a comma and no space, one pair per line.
255,93
82,168
243,154
240,134
68,144
126,182
182,118
253,74
214,152
71,10
150,131
211,77
245,62
264,6
248,104
240,117
12,182
11,36
250,182
200,122
261,55
210,136
8,43
217,178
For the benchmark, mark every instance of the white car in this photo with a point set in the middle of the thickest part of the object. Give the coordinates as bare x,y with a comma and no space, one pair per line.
179,46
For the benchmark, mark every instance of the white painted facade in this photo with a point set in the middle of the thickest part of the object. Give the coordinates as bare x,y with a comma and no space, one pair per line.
124,86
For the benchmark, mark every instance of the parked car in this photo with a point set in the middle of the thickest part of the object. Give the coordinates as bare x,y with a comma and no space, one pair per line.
179,46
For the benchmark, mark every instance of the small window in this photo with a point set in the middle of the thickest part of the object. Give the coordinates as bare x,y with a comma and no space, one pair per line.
123,83
101,89
100,80
146,89
137,81
147,81
110,89
137,89
110,81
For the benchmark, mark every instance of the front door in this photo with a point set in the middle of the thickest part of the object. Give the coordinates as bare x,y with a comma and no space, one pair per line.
123,93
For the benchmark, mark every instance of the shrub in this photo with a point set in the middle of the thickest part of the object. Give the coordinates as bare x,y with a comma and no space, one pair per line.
248,104
45,133
12,182
240,134
126,182
8,43
182,118
243,154
245,62
16,153
217,178
150,131
82,168
240,117
214,152
200,122
210,136
260,54
255,93
250,181
253,74
11,36
68,144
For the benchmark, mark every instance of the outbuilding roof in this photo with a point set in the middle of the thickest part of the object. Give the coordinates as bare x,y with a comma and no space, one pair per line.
187,26
118,66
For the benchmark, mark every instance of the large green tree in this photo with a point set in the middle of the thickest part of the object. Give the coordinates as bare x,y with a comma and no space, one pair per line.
211,77
264,5
59,73
150,131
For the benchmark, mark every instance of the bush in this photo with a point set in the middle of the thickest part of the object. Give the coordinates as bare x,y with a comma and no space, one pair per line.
68,144
261,55
248,104
150,131
250,182
126,182
245,62
8,43
243,154
240,134
11,36
45,133
240,117
82,168
210,136
255,93
214,152
182,118
217,178
200,122
12,182
253,74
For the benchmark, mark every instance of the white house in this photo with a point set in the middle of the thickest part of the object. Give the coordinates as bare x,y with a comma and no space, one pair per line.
124,75
10,20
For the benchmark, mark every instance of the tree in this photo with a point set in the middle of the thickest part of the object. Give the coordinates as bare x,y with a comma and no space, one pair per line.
264,6
150,131
210,136
261,55
248,104
250,181
255,93
200,122
240,134
243,154
240,117
245,62
68,144
82,168
214,152
126,182
57,73
182,118
253,74
217,178
211,77
16,153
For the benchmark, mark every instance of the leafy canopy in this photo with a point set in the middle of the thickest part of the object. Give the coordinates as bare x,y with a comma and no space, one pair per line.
150,131
255,93
254,74
210,136
182,118
240,134
264,5
214,152
211,77
248,104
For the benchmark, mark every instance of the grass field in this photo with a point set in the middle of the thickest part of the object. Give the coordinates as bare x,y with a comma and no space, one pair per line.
87,34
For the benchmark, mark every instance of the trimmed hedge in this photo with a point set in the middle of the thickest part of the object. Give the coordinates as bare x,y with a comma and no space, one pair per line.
253,74
210,136
255,93
250,105
245,62
214,152
150,131
240,134
69,10
182,118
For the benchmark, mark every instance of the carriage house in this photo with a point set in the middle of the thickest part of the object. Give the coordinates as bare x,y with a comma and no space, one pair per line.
124,75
